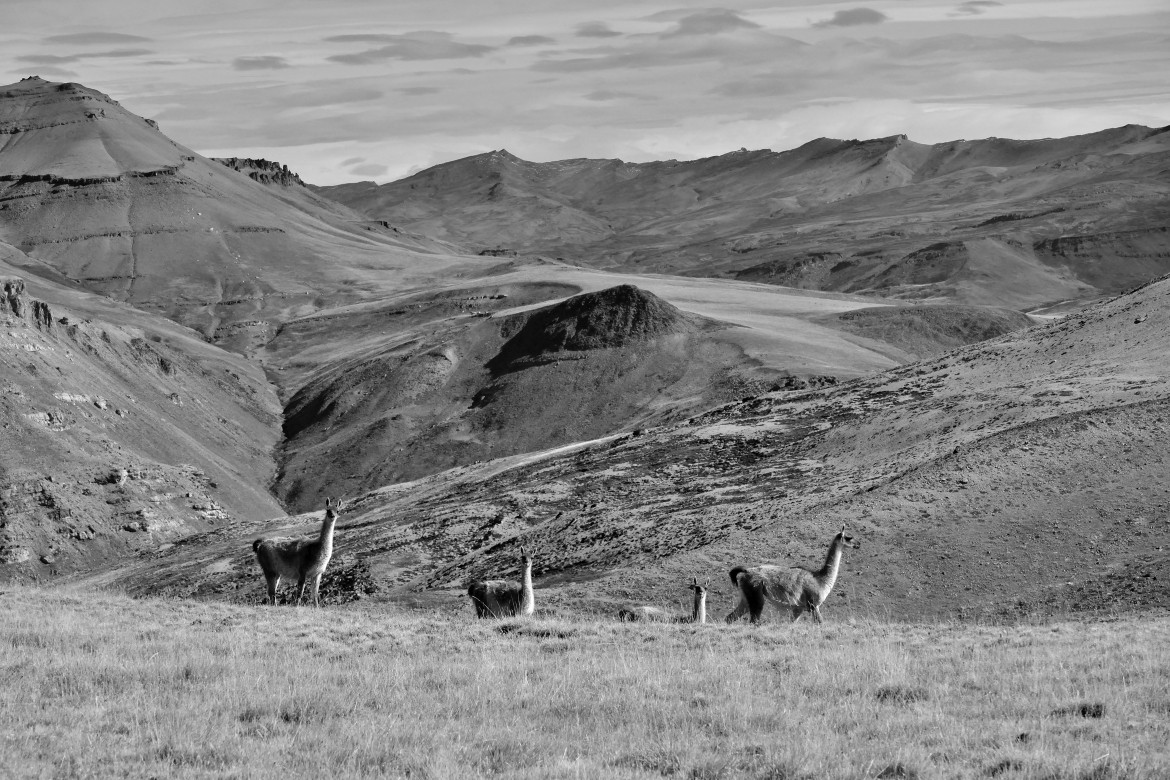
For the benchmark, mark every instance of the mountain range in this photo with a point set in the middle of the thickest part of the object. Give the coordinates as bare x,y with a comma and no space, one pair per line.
641,371
1024,224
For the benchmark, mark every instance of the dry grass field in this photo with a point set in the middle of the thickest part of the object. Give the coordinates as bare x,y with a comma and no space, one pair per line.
98,685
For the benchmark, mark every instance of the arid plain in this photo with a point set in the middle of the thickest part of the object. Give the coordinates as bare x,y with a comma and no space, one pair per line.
640,373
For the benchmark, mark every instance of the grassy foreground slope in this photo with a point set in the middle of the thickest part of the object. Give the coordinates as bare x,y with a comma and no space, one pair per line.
103,686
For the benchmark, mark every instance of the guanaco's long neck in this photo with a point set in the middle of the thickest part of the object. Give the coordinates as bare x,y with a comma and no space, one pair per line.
326,537
700,610
527,601
827,576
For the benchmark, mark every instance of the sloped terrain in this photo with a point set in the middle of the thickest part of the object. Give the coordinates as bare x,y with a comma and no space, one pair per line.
924,331
1027,473
107,200
122,431
502,385
996,221
382,394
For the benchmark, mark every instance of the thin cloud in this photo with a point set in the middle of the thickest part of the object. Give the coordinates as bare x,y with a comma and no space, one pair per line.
608,95
56,59
53,70
672,51
371,169
418,90
120,53
712,22
331,94
363,38
96,38
595,30
266,62
415,46
47,59
974,7
530,40
853,17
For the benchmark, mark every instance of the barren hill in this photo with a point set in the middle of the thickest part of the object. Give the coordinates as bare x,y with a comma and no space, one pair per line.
1027,473
107,200
994,221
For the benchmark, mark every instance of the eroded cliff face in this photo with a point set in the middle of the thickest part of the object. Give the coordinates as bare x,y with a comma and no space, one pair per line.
263,171
19,305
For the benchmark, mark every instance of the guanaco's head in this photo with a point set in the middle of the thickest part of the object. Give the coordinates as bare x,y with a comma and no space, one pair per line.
846,538
333,507
697,589
525,558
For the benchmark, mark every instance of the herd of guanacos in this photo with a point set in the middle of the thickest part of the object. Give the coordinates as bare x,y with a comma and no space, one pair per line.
792,590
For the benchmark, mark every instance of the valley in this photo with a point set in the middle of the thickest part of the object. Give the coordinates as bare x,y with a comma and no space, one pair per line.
643,372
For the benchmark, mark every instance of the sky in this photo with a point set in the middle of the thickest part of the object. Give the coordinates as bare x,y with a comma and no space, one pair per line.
349,90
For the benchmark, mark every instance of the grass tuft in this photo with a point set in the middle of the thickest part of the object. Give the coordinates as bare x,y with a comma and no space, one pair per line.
1084,710
901,694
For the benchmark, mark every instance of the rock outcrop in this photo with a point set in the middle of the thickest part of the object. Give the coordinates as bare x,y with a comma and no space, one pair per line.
263,171
15,302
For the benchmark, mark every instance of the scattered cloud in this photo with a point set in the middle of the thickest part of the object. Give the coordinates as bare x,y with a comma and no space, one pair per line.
595,30
425,45
120,53
363,38
53,70
47,59
607,95
331,93
265,62
530,40
371,169
96,38
52,59
853,17
670,51
352,161
711,22
973,7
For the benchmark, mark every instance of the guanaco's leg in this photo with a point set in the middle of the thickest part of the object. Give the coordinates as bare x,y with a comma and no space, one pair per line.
316,588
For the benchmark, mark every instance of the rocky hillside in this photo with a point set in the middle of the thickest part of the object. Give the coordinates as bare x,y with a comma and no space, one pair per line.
121,432
994,221
1023,474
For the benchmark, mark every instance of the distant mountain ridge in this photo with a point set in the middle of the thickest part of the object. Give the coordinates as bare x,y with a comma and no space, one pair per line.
108,201
846,215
